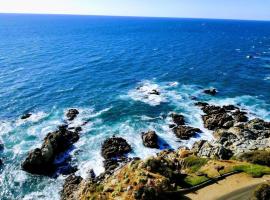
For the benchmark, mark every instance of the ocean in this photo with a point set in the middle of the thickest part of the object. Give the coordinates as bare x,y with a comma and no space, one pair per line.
50,63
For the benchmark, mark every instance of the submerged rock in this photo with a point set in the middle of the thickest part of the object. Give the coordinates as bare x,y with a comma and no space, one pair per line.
211,91
185,132
72,114
26,116
41,160
150,139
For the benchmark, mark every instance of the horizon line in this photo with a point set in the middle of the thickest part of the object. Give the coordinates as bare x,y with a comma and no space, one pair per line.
134,16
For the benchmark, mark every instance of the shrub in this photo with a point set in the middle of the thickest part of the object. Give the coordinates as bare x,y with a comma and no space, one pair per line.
262,192
253,170
194,163
256,157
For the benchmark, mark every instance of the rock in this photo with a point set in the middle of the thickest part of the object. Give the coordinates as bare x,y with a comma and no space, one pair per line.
72,114
172,125
221,133
110,164
214,121
201,104
211,91
71,184
26,116
91,174
1,146
1,163
241,118
223,153
115,147
150,139
184,152
230,107
212,109
178,119
155,92
185,132
41,160
206,149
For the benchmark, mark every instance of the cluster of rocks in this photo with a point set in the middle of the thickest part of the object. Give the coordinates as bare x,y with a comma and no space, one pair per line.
42,160
113,151
234,132
181,130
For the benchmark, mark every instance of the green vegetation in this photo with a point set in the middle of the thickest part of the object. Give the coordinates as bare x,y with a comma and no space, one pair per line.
194,163
193,180
257,157
253,169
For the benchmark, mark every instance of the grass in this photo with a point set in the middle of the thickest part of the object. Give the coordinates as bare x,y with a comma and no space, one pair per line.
193,180
257,157
194,163
253,169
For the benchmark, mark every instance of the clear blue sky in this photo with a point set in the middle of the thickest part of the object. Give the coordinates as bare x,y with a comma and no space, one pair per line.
226,9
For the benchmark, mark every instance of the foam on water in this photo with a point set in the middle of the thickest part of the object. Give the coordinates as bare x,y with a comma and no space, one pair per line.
144,93
87,151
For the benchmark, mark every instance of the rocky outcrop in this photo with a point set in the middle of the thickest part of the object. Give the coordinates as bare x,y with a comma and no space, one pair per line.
150,139
211,91
71,184
206,149
41,160
233,131
185,132
26,116
217,117
178,119
114,150
115,147
72,114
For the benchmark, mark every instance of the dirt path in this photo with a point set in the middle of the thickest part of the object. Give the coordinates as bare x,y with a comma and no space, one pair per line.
235,187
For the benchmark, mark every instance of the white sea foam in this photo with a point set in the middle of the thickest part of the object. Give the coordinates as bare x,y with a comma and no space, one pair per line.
267,78
35,117
145,93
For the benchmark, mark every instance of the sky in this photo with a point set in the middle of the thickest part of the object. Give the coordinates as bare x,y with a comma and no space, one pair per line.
221,9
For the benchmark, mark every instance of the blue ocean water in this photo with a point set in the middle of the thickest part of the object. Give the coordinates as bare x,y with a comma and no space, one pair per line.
50,63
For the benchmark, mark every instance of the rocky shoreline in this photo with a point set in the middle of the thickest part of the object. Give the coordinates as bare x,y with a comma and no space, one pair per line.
165,174
239,144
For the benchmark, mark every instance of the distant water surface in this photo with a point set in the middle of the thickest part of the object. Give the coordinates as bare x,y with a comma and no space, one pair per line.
51,63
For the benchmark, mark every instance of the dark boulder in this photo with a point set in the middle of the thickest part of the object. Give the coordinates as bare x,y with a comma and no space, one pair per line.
155,92
110,164
72,114
201,104
115,147
26,116
230,107
178,119
41,160
211,91
150,139
212,109
185,132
